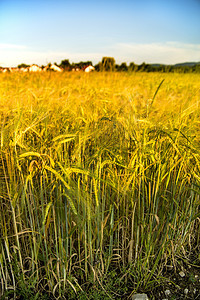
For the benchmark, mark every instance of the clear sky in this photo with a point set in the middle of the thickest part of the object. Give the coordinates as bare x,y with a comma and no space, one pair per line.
151,31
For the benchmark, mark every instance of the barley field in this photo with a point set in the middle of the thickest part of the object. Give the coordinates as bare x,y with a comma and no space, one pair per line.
99,183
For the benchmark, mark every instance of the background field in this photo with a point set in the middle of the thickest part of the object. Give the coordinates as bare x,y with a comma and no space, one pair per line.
99,182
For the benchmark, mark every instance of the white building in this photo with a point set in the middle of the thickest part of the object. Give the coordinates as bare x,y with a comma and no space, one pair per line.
53,67
34,68
89,69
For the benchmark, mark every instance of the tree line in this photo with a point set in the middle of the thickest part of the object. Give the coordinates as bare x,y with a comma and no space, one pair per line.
108,64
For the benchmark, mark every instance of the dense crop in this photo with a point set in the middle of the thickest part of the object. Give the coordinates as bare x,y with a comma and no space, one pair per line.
99,179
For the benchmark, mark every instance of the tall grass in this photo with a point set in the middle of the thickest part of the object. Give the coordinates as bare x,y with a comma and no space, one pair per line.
99,175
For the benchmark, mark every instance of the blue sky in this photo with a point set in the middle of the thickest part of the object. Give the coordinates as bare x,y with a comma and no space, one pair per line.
151,31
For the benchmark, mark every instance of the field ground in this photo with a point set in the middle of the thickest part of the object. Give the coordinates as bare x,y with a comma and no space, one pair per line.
99,185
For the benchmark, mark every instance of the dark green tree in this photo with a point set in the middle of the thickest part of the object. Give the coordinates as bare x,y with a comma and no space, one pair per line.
108,64
23,65
123,67
98,67
83,64
142,67
196,68
132,67
65,64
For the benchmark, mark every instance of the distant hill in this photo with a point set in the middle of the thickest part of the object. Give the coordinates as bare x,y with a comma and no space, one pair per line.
187,64
186,67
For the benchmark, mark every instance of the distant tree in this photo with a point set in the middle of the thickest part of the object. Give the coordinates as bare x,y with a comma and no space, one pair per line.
74,66
132,67
87,63
79,65
161,68
142,67
148,68
123,67
117,67
65,64
98,67
23,65
196,68
167,68
83,64
108,64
